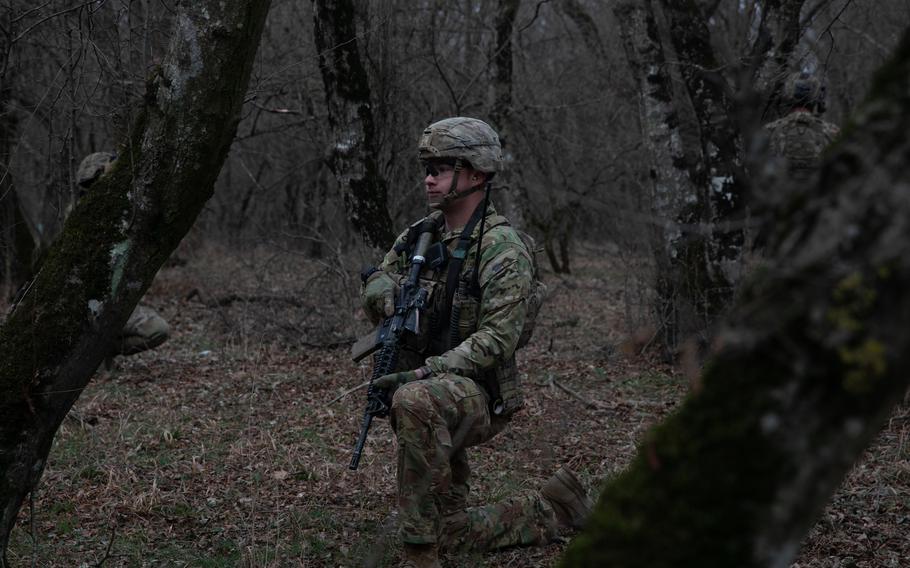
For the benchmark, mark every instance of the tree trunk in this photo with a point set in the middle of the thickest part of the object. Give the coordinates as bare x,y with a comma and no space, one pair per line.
355,153
776,39
718,175
17,244
120,234
675,201
510,203
812,360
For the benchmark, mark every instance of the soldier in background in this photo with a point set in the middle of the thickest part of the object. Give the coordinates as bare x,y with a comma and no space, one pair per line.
144,329
799,138
458,385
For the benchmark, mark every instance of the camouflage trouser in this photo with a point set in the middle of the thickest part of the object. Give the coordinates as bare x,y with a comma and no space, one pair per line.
144,330
435,420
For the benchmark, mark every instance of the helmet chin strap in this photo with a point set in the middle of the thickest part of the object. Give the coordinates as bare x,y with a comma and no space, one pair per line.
453,194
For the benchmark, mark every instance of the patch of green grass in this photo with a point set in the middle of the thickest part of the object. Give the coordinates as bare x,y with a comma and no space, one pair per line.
71,445
63,508
64,525
649,381
178,510
306,475
90,473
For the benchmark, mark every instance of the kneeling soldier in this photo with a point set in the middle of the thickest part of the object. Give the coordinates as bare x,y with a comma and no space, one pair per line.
458,385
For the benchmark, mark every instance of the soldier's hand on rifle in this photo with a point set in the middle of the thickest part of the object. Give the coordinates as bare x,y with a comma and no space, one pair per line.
379,291
392,381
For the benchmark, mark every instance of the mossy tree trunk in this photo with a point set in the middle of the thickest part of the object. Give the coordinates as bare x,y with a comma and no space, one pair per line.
354,157
808,367
119,235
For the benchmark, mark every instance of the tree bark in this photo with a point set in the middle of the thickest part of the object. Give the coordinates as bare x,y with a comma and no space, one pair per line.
120,234
512,203
17,244
778,34
355,155
718,175
806,371
676,202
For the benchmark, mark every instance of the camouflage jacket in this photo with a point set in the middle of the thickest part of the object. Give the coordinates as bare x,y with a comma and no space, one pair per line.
488,329
799,138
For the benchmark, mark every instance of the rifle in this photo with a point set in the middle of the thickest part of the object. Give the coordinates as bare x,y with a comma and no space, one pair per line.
406,319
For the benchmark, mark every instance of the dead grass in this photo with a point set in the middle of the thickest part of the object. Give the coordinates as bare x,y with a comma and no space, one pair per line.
219,448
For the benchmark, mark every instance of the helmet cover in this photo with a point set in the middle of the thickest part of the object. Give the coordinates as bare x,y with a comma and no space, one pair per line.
93,166
461,137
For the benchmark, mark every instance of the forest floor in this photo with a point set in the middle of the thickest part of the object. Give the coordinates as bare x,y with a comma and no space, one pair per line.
229,445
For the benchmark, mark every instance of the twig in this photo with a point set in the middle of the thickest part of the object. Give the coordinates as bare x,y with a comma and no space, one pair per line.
110,544
589,403
347,392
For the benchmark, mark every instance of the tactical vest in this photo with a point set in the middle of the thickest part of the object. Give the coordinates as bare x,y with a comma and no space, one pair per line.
444,327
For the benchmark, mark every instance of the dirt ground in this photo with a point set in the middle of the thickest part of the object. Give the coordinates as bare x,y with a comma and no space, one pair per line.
229,445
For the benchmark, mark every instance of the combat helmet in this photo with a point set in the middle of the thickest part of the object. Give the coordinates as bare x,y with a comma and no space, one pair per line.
93,166
468,139
803,89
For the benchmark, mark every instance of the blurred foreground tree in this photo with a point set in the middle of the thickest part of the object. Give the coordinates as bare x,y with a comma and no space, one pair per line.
805,372
118,236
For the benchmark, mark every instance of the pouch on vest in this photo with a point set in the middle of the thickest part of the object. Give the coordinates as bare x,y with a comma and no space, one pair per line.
537,293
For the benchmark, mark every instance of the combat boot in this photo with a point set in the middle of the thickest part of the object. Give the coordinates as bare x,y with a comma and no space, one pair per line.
420,556
568,498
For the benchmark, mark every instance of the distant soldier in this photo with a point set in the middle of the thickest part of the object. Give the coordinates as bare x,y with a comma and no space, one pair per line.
800,137
144,329
458,385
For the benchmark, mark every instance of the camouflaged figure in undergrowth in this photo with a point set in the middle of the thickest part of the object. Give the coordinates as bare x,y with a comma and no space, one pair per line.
799,138
457,385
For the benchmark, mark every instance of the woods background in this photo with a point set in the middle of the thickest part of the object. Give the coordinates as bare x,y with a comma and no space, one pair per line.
552,77
323,169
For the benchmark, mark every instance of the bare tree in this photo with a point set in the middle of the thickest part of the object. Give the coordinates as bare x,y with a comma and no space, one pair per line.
16,242
355,155
697,137
118,236
806,371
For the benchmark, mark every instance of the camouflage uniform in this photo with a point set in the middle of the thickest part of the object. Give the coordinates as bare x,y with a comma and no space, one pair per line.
144,330
799,139
437,418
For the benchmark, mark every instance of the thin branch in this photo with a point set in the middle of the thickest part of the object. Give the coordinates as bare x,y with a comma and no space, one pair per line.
534,17
347,392
50,17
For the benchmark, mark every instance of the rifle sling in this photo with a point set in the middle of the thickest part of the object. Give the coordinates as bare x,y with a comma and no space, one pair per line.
456,261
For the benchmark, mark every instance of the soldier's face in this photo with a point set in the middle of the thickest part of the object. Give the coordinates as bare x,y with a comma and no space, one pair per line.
438,181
